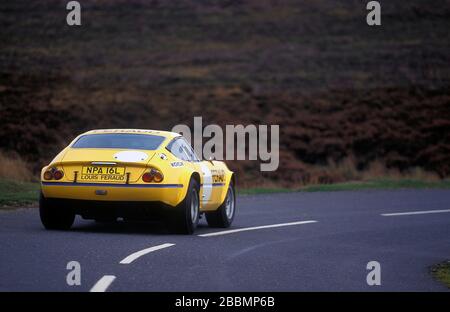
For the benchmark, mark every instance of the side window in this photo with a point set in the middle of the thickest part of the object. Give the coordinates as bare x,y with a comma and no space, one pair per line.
189,150
182,150
176,148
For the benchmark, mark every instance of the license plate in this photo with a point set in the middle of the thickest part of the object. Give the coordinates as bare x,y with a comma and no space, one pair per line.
103,173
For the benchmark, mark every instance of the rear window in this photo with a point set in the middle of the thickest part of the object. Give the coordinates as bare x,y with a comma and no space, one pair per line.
120,141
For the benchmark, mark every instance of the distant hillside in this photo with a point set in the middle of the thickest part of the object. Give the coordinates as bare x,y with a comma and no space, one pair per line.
351,100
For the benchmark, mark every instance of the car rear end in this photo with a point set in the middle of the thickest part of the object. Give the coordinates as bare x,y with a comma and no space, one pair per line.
111,173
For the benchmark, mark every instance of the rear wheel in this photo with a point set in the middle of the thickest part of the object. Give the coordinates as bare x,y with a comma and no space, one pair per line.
54,218
184,218
224,215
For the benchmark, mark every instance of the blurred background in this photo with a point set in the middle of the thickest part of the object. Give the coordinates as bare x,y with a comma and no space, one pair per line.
353,102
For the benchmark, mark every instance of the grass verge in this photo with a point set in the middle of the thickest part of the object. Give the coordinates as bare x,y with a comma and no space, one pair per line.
376,184
441,272
18,194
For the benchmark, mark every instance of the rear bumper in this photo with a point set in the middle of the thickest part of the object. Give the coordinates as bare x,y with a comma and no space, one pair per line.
92,209
167,194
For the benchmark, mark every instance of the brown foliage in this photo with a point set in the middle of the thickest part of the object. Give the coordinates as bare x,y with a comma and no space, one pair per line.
348,98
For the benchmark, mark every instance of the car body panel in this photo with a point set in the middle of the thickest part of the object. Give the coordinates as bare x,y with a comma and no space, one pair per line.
214,176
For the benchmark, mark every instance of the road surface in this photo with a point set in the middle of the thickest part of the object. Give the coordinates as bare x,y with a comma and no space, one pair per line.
314,242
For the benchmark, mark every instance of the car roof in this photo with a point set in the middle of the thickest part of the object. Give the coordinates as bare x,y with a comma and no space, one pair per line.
166,134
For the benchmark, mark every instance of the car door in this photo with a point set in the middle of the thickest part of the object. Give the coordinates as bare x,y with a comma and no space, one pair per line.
209,192
213,184
182,150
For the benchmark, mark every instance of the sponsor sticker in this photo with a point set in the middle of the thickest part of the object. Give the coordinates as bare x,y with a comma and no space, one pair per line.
177,164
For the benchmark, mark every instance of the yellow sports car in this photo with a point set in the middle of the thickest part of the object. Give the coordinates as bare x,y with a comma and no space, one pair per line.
135,175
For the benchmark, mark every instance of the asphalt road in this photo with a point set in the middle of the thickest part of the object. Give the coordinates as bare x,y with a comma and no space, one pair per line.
330,254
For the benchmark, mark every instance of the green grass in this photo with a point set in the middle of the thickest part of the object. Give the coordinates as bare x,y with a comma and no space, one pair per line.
376,184
441,272
15,194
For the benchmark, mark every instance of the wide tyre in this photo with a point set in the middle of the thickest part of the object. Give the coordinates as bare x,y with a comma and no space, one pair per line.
184,218
224,215
54,218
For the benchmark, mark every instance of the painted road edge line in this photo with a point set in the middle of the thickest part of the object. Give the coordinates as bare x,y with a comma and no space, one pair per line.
256,228
142,252
413,213
103,283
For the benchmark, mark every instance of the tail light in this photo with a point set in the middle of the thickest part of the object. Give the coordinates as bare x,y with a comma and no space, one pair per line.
58,174
157,175
153,176
147,177
48,175
53,173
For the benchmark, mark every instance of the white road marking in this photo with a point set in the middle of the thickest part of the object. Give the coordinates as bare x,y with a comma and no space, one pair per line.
103,283
142,252
257,228
413,213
